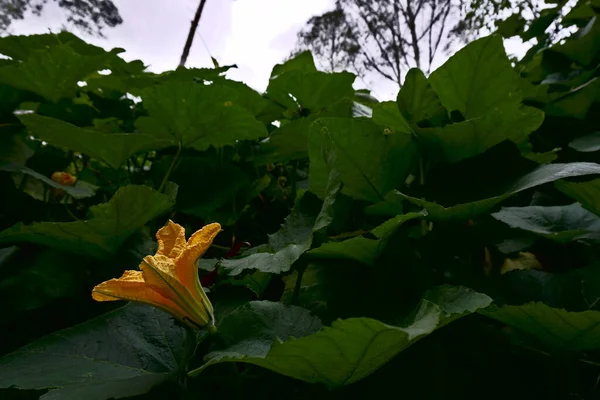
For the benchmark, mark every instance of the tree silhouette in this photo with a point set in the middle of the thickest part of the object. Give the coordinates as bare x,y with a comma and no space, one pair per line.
91,16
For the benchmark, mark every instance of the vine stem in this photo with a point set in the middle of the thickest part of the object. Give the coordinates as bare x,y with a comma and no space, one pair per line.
168,174
298,286
424,227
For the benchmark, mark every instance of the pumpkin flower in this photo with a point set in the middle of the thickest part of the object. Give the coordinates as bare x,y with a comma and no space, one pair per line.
64,178
169,279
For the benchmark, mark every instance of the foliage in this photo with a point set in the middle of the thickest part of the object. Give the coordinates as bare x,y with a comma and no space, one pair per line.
91,16
444,244
387,38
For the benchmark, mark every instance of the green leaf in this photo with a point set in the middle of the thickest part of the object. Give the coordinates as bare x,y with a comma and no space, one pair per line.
23,46
556,328
540,24
360,248
455,142
119,354
109,225
539,176
113,149
387,114
13,150
80,190
301,62
53,73
173,108
587,193
286,245
35,281
583,46
477,79
368,161
576,103
418,102
350,349
311,90
587,144
560,223
511,26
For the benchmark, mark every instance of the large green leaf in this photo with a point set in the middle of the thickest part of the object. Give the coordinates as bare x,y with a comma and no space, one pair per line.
311,90
369,159
119,354
556,328
350,349
455,142
109,225
584,46
539,176
286,245
559,223
387,114
360,248
198,115
587,193
113,149
477,79
53,72
418,102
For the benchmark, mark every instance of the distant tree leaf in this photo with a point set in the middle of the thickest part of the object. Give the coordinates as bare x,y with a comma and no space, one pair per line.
119,354
113,149
109,225
362,345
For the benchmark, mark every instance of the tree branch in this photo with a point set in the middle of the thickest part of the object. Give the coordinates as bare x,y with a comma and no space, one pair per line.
191,33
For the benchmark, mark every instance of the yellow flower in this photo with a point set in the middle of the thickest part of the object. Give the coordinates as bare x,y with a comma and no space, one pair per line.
169,279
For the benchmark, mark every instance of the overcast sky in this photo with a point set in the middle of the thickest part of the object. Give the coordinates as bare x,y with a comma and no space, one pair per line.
254,34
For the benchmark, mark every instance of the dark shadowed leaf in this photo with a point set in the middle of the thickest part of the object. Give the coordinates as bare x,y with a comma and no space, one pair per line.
369,159
119,354
113,149
173,108
556,328
587,193
109,225
350,349
539,176
418,102
559,223
477,79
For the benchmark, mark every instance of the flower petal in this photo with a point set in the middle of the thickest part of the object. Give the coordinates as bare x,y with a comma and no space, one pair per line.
159,274
200,241
131,286
171,240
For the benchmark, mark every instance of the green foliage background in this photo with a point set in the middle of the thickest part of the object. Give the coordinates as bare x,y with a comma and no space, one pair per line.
381,232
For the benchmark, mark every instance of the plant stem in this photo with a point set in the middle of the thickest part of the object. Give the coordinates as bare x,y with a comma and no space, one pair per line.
296,294
166,178
424,227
